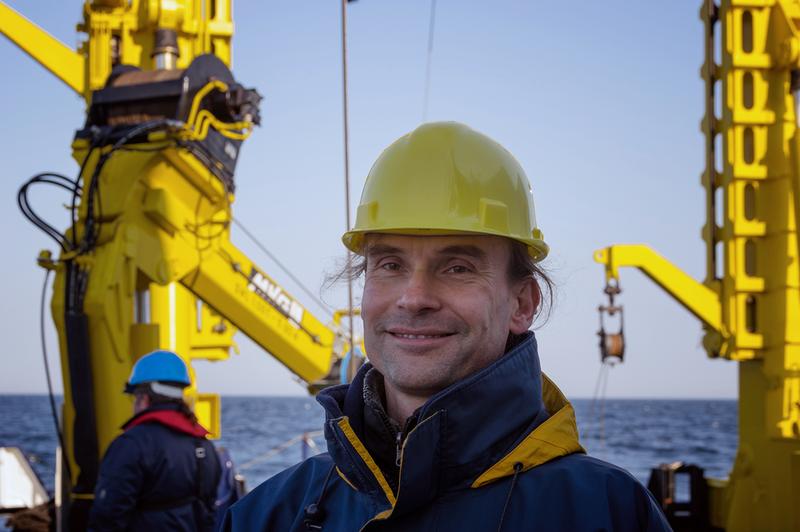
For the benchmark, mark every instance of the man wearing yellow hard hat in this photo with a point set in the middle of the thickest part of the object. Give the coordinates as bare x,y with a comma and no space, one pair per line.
451,425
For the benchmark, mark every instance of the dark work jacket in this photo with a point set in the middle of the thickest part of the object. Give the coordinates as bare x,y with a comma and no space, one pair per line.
496,451
149,478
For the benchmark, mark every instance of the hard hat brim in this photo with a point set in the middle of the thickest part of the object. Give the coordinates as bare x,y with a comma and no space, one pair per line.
354,240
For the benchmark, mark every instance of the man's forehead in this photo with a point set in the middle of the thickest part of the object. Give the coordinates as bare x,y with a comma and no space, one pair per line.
478,246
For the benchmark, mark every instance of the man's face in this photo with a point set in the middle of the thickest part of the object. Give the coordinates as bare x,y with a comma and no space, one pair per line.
439,308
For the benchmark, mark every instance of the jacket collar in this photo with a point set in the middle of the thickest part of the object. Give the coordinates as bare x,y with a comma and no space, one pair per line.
169,416
469,434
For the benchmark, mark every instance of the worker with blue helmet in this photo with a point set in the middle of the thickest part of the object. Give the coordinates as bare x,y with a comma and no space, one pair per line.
162,472
164,371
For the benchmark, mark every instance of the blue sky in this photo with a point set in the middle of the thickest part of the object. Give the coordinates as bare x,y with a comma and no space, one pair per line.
601,103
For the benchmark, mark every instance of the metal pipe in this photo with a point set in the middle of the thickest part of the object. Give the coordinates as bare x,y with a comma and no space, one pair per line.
165,51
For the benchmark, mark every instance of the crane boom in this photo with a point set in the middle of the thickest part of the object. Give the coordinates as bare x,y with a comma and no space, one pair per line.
52,54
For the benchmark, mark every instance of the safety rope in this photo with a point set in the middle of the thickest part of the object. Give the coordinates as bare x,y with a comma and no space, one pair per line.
431,28
306,437
347,169
603,408
324,306
599,402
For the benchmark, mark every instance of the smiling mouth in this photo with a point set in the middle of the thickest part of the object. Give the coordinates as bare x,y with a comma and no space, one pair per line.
411,336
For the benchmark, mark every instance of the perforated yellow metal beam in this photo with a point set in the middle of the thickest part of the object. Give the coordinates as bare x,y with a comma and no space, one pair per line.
751,299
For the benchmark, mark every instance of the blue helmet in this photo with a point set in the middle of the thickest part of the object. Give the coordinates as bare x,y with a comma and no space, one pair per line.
159,366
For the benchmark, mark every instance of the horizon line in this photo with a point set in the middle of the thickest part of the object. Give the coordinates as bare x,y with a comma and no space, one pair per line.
581,398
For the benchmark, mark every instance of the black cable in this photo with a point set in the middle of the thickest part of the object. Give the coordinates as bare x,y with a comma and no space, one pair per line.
93,223
314,514
53,410
48,178
209,161
73,205
49,230
517,468
165,144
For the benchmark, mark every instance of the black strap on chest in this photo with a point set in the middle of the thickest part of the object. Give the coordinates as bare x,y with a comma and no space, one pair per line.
200,455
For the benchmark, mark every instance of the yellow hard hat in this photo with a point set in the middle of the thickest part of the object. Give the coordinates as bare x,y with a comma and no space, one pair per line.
445,178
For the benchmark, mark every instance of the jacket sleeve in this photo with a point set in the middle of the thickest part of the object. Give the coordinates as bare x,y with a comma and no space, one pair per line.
279,503
118,486
651,518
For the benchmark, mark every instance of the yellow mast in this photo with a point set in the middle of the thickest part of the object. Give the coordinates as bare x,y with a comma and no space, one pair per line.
749,303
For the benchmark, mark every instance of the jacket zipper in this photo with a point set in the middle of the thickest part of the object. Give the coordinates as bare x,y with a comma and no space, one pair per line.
408,426
399,460
399,441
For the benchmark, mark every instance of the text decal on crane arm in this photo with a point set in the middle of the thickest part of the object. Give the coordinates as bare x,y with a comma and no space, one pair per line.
275,296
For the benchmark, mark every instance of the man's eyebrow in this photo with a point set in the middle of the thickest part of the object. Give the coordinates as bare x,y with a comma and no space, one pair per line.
382,249
466,250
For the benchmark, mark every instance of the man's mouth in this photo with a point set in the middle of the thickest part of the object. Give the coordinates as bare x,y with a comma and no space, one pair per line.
418,335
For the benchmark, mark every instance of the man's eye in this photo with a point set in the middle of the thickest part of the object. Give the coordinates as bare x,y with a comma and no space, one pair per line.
390,266
458,268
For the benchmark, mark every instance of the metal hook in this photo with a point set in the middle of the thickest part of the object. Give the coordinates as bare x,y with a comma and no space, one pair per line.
612,345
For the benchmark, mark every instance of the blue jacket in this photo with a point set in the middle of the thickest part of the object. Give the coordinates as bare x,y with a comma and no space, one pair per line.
496,451
151,478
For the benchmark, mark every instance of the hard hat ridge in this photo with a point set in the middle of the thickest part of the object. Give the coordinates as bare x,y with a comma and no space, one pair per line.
445,178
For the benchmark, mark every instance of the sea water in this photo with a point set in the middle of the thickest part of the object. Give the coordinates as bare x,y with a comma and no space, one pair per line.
263,434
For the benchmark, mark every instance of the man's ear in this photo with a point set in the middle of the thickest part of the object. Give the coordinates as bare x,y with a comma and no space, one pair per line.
527,297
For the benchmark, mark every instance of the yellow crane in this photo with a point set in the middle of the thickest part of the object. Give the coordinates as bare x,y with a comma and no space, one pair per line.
749,301
148,262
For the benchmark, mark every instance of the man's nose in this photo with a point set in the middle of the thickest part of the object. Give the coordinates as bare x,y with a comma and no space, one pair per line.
419,293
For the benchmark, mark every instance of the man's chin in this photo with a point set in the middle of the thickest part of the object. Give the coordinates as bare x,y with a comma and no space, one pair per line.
425,383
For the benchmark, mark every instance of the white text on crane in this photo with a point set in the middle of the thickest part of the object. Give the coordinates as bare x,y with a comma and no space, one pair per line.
275,296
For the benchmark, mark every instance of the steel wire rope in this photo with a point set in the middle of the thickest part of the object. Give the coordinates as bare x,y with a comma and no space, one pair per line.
325,307
50,393
598,402
431,29
266,455
603,408
349,262
597,388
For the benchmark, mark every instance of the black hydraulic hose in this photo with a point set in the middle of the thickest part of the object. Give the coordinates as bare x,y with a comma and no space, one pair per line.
53,409
91,230
47,178
73,205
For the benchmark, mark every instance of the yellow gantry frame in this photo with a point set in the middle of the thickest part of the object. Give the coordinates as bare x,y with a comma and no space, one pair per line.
751,309
163,273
